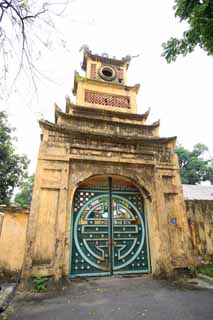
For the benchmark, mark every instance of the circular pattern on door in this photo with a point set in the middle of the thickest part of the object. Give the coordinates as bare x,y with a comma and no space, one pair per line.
91,241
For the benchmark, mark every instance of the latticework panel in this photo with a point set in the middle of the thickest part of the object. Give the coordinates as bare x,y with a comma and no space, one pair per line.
107,100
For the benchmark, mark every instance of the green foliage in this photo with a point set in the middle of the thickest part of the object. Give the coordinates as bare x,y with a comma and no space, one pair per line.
193,167
40,283
13,167
210,178
199,15
24,197
206,270
193,270
78,77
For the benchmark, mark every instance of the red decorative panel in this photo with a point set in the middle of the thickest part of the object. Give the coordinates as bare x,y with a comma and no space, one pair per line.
120,74
93,71
106,100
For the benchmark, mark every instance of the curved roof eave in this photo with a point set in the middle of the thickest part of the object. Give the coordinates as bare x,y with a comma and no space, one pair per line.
54,127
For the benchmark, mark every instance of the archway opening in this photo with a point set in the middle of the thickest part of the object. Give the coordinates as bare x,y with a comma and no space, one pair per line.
109,228
102,181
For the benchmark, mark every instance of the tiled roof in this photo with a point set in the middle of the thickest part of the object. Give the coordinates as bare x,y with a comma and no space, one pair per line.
197,192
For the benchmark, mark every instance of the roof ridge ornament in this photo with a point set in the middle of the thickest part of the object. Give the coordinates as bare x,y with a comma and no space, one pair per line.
104,57
146,114
156,123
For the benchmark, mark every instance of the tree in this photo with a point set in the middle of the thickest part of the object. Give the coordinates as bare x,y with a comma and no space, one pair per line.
193,167
13,167
24,32
24,197
199,15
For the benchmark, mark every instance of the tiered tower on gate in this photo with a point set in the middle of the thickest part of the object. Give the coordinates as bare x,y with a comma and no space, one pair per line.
102,135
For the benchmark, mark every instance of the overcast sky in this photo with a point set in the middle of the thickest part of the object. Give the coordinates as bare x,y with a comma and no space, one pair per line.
179,94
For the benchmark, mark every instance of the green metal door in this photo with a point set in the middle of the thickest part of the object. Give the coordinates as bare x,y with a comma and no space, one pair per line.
109,233
130,243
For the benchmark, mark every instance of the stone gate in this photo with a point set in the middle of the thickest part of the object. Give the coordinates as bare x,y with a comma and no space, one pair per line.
107,196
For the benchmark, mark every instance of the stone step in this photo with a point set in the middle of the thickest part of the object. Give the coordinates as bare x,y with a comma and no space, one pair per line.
205,278
7,291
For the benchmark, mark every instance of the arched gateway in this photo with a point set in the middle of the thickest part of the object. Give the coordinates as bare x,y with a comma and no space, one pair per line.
109,229
83,159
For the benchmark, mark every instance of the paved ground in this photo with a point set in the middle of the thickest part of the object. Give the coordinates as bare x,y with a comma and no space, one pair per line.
116,298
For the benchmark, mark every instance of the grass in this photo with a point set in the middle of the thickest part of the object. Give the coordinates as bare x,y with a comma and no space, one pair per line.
206,270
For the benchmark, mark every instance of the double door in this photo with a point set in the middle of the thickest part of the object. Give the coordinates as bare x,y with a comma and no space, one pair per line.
109,233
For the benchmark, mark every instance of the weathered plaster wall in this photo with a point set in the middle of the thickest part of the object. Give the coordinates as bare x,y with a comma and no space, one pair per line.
107,88
200,220
12,240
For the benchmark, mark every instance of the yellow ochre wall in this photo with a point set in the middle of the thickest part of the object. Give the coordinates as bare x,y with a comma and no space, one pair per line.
12,240
107,88
200,220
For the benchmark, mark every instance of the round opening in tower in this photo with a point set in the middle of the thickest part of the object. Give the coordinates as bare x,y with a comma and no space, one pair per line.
107,73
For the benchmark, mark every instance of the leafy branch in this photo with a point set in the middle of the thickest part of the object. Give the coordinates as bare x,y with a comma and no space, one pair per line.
199,15
23,26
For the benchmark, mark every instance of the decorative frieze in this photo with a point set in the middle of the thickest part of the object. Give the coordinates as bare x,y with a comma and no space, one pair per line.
112,154
164,156
101,147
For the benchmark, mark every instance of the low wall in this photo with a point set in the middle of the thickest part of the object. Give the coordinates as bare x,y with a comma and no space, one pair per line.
12,240
200,220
